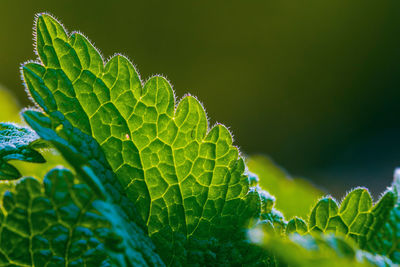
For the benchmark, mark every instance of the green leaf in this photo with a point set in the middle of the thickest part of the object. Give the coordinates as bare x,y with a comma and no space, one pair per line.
270,219
316,250
186,180
17,143
78,149
357,217
387,240
284,187
82,151
61,222
296,225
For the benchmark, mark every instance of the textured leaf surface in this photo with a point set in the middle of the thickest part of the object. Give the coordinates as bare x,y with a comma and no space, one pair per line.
185,179
61,223
387,240
301,246
80,150
356,217
17,143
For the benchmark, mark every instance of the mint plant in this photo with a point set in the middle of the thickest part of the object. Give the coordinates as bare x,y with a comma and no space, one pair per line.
152,184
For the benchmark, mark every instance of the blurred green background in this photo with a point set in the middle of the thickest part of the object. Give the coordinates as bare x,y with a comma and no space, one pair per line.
313,84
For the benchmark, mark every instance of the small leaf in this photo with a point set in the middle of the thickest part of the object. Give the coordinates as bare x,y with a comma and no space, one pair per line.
356,218
17,143
296,225
387,239
317,250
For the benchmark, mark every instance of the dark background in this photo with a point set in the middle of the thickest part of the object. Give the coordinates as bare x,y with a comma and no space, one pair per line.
313,84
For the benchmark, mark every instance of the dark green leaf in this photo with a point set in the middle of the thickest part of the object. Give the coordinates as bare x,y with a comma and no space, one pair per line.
387,240
61,223
17,143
